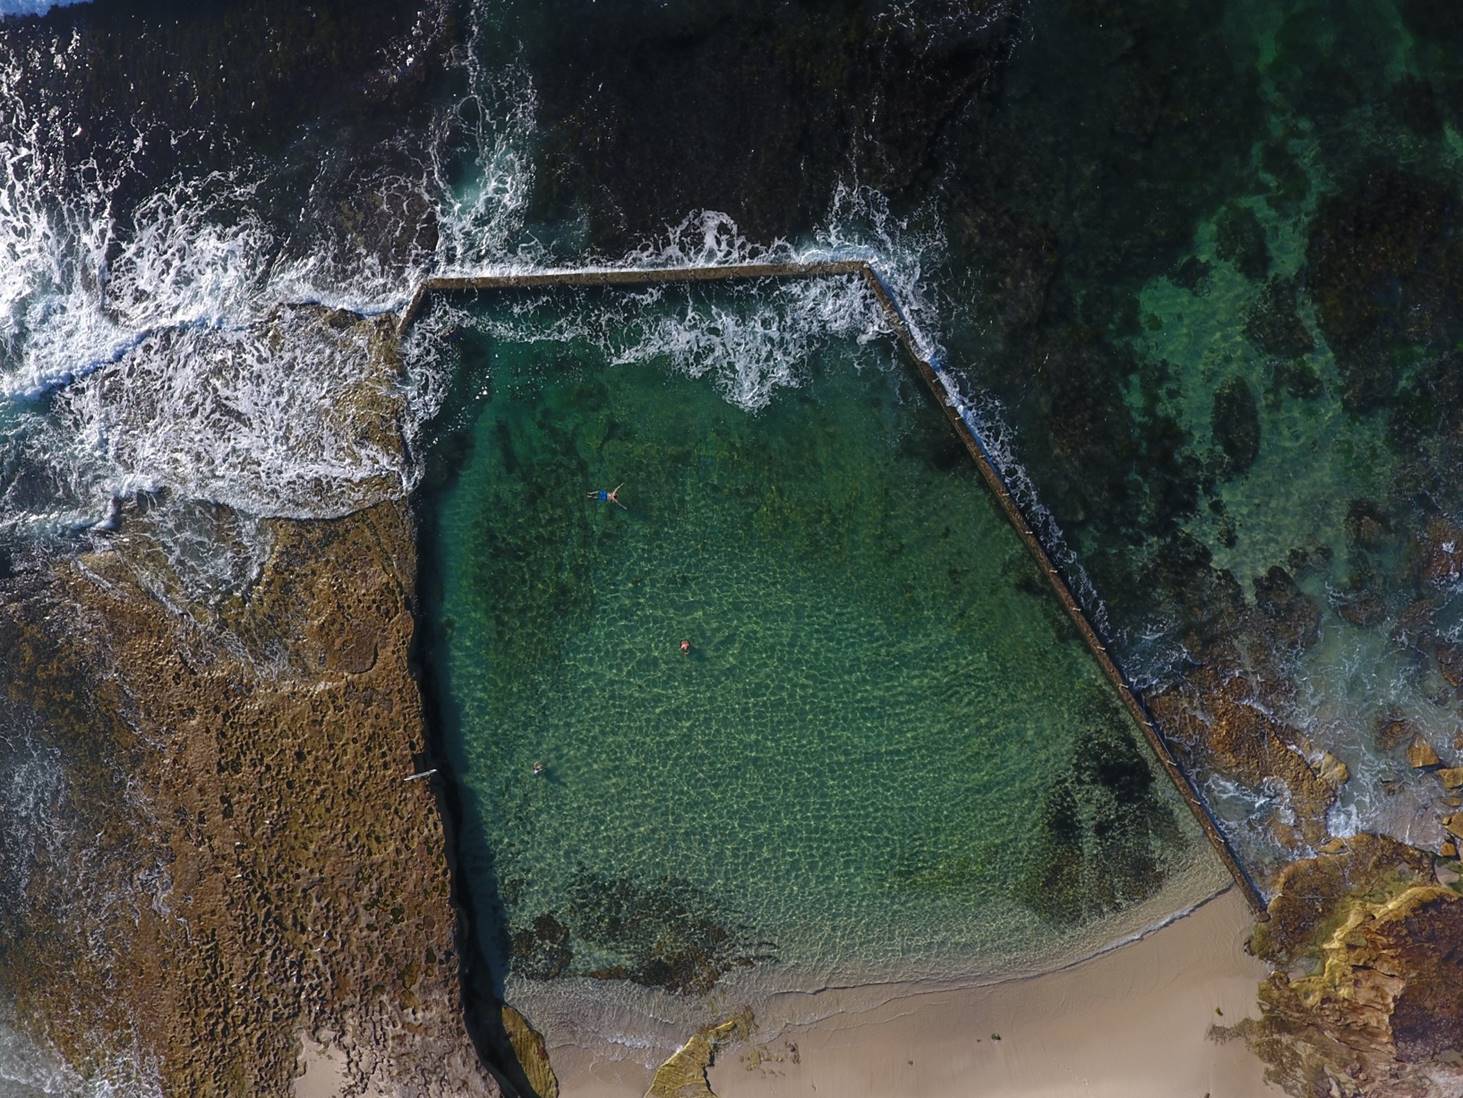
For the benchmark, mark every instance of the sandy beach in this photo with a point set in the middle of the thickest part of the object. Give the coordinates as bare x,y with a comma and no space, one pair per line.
1131,1022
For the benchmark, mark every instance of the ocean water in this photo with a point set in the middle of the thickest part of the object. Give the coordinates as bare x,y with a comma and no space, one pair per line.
1207,272
1111,221
887,754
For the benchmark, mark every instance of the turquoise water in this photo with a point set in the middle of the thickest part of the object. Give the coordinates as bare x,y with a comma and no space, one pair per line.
886,751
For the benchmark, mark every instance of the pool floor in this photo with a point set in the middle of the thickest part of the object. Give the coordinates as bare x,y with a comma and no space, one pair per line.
886,748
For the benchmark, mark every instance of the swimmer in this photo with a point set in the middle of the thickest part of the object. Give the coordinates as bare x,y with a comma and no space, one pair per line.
538,768
686,647
613,496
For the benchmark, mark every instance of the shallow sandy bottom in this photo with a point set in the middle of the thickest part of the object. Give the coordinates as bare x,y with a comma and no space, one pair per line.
1132,1022
322,1070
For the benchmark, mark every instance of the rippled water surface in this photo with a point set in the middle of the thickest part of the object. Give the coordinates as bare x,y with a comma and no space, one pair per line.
886,750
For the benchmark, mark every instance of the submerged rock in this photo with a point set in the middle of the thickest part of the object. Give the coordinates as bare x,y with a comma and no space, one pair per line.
1367,525
1385,270
1241,240
620,100
1274,324
1441,550
1236,421
1291,616
1362,608
668,934
1449,658
1099,825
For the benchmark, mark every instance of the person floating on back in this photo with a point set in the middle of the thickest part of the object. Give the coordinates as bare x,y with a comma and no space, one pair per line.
612,496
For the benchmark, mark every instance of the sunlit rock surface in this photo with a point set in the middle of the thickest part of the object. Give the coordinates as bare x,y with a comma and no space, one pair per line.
1367,998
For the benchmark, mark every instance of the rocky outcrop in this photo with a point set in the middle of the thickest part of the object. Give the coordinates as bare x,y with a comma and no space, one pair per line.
1440,553
1236,422
268,739
1225,718
1385,265
1240,239
253,875
1274,324
684,1074
1368,999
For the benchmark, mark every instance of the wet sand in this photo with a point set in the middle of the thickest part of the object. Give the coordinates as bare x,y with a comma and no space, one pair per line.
1131,1022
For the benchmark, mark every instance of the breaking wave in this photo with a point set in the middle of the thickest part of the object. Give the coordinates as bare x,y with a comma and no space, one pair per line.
749,339
185,351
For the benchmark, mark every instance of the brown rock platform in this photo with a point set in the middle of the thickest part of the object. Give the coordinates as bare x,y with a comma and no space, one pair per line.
1368,998
266,740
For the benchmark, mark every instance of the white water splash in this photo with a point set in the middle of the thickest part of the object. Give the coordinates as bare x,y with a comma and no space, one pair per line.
164,356
168,355
750,339
30,1071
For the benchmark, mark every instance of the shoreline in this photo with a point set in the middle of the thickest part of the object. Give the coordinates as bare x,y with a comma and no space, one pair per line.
648,1024
1131,1018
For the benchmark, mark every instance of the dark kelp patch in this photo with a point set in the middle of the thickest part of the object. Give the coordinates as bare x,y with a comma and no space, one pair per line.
1099,830
668,934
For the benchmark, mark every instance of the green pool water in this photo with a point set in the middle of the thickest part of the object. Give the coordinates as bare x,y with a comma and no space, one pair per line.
886,752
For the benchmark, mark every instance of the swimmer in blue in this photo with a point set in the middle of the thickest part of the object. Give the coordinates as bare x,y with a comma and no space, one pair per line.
601,496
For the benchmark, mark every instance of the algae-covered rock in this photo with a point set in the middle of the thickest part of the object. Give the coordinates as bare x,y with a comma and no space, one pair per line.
532,1055
1308,892
1452,777
1099,827
309,890
1449,658
668,934
1241,240
1367,525
1420,754
1440,549
1385,271
270,881
1222,717
1370,999
684,1074
1274,324
1291,617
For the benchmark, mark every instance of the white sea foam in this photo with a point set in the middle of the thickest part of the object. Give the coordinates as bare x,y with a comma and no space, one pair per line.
158,357
163,355
27,1070
750,341
31,784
